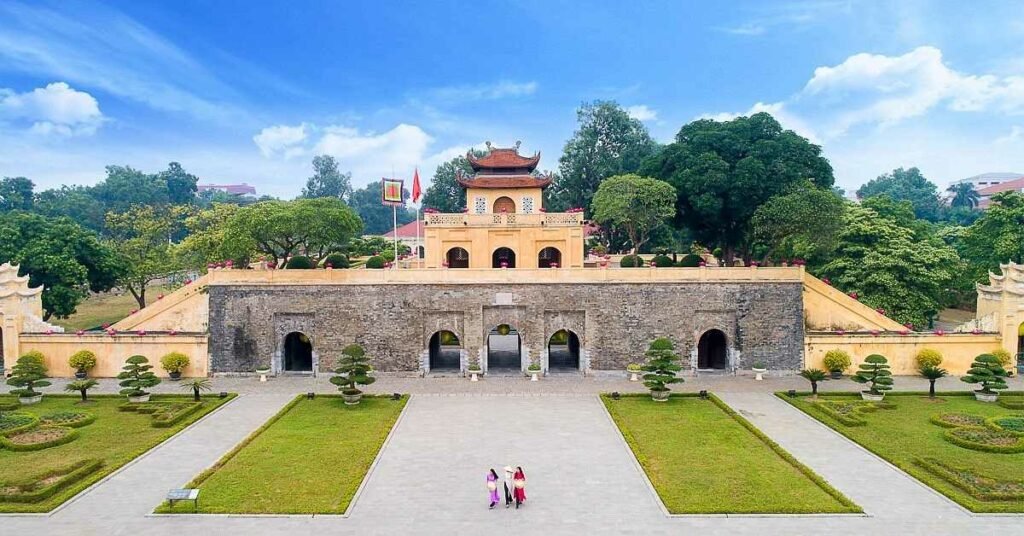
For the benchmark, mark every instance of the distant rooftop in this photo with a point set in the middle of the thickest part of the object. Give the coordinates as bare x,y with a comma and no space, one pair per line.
233,189
997,176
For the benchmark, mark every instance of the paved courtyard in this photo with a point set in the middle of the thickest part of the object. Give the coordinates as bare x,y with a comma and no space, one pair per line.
582,478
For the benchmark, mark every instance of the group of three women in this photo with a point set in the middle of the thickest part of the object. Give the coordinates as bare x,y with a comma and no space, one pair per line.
514,484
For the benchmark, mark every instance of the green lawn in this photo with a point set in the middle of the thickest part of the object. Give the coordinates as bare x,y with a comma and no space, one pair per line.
906,438
703,458
308,459
112,440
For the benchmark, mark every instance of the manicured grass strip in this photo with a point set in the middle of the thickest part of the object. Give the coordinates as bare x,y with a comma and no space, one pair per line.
113,439
704,458
909,437
309,458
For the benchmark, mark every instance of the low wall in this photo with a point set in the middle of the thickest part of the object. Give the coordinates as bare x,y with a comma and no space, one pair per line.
111,352
958,350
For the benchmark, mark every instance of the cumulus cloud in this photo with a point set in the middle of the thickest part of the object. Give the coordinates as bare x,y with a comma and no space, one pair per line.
281,140
642,112
54,109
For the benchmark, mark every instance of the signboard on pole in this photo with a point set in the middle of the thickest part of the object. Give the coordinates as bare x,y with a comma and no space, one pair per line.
391,192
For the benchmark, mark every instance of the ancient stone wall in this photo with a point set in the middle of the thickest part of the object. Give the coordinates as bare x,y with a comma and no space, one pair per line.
763,321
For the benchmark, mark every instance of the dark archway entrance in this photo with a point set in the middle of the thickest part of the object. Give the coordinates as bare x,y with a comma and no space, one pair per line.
564,352
420,252
503,256
298,353
457,258
549,257
504,349
445,351
712,350
1020,344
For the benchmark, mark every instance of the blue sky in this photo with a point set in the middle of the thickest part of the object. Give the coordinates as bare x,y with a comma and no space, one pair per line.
250,91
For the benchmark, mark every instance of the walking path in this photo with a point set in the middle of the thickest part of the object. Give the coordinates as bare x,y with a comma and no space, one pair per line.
582,479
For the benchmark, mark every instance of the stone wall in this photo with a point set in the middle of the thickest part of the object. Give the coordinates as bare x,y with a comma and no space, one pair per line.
763,321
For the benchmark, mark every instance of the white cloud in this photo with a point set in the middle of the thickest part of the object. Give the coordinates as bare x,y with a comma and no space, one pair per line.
54,109
499,90
790,15
642,112
281,139
1016,135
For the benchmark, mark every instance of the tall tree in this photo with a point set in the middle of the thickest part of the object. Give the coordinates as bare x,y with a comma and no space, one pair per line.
15,194
327,180
280,229
181,185
964,195
803,224
64,258
723,171
906,185
377,217
126,187
607,142
76,202
996,237
141,236
444,193
206,242
637,205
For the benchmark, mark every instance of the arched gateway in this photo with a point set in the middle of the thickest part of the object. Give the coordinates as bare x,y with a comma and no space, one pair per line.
504,348
712,350
564,351
298,353
445,351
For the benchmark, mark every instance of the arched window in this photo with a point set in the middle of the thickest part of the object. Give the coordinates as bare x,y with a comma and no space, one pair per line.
298,353
712,350
457,258
503,258
549,258
504,204
420,252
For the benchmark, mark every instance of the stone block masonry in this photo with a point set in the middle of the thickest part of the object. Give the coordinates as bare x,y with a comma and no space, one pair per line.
762,320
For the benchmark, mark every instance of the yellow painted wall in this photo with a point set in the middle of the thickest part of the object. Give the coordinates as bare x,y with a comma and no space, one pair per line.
111,352
828,309
187,309
515,194
958,350
526,242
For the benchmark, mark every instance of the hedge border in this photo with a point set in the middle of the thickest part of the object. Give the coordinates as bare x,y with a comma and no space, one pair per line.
87,419
72,435
1011,402
950,435
72,474
22,428
948,473
937,420
992,423
176,417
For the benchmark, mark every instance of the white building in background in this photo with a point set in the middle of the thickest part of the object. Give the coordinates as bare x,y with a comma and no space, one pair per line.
986,180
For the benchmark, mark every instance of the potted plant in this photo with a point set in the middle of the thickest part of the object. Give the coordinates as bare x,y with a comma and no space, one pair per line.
195,385
533,370
82,387
836,361
136,376
931,373
814,376
874,371
28,373
353,369
473,368
661,368
634,369
174,363
82,361
759,369
263,371
987,371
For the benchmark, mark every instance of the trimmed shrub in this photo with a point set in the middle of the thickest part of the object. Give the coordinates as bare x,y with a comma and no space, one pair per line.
850,413
353,369
691,260
388,255
300,262
837,360
928,357
35,490
632,261
82,360
1011,402
136,376
661,261
174,362
661,367
337,261
375,263
874,371
988,372
1004,356
985,439
28,373
39,438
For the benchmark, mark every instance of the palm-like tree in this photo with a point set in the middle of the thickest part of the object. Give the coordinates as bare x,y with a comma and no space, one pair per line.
196,385
82,386
932,373
814,376
964,195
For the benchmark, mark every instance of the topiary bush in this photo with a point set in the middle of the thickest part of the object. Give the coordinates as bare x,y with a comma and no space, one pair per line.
353,369
837,361
691,260
928,357
1003,355
337,261
874,371
632,261
661,368
82,361
137,376
174,362
988,372
662,261
28,374
375,262
300,262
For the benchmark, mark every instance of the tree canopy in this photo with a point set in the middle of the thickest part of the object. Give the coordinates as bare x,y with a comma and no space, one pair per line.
279,229
802,224
378,217
16,194
444,193
996,237
964,195
906,185
327,180
637,205
141,236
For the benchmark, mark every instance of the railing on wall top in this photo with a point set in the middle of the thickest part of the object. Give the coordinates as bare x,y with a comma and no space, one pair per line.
544,219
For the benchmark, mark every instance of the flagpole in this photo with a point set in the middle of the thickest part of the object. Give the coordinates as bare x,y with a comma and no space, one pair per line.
394,217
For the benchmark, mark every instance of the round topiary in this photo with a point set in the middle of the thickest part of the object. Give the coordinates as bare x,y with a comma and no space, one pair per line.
375,262
82,360
632,261
35,354
174,362
661,261
337,261
928,358
662,343
836,360
300,262
388,255
691,260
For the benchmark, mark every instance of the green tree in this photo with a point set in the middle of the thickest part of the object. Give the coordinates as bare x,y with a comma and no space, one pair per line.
126,187
444,193
804,223
181,185
136,376
75,202
996,237
987,371
279,229
27,374
81,387
932,373
59,255
141,237
327,180
906,185
889,267
637,205
724,171
661,367
875,372
377,217
16,194
964,195
196,385
607,142
815,376
206,241
353,370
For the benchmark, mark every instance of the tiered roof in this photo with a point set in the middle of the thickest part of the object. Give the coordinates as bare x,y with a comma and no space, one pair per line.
503,168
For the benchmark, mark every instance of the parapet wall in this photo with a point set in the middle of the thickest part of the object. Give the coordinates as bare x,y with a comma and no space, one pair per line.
958,350
112,351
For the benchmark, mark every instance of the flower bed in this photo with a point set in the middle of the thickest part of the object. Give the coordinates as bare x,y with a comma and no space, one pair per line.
164,414
15,422
39,438
985,439
849,413
73,419
45,486
956,420
1011,423
975,485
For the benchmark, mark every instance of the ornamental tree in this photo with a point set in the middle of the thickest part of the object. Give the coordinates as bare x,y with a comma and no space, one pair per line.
636,205
931,373
141,238
988,372
875,372
81,387
28,373
906,185
662,366
136,376
353,369
814,376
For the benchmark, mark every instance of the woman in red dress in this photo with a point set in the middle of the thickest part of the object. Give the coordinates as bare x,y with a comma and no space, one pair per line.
519,480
